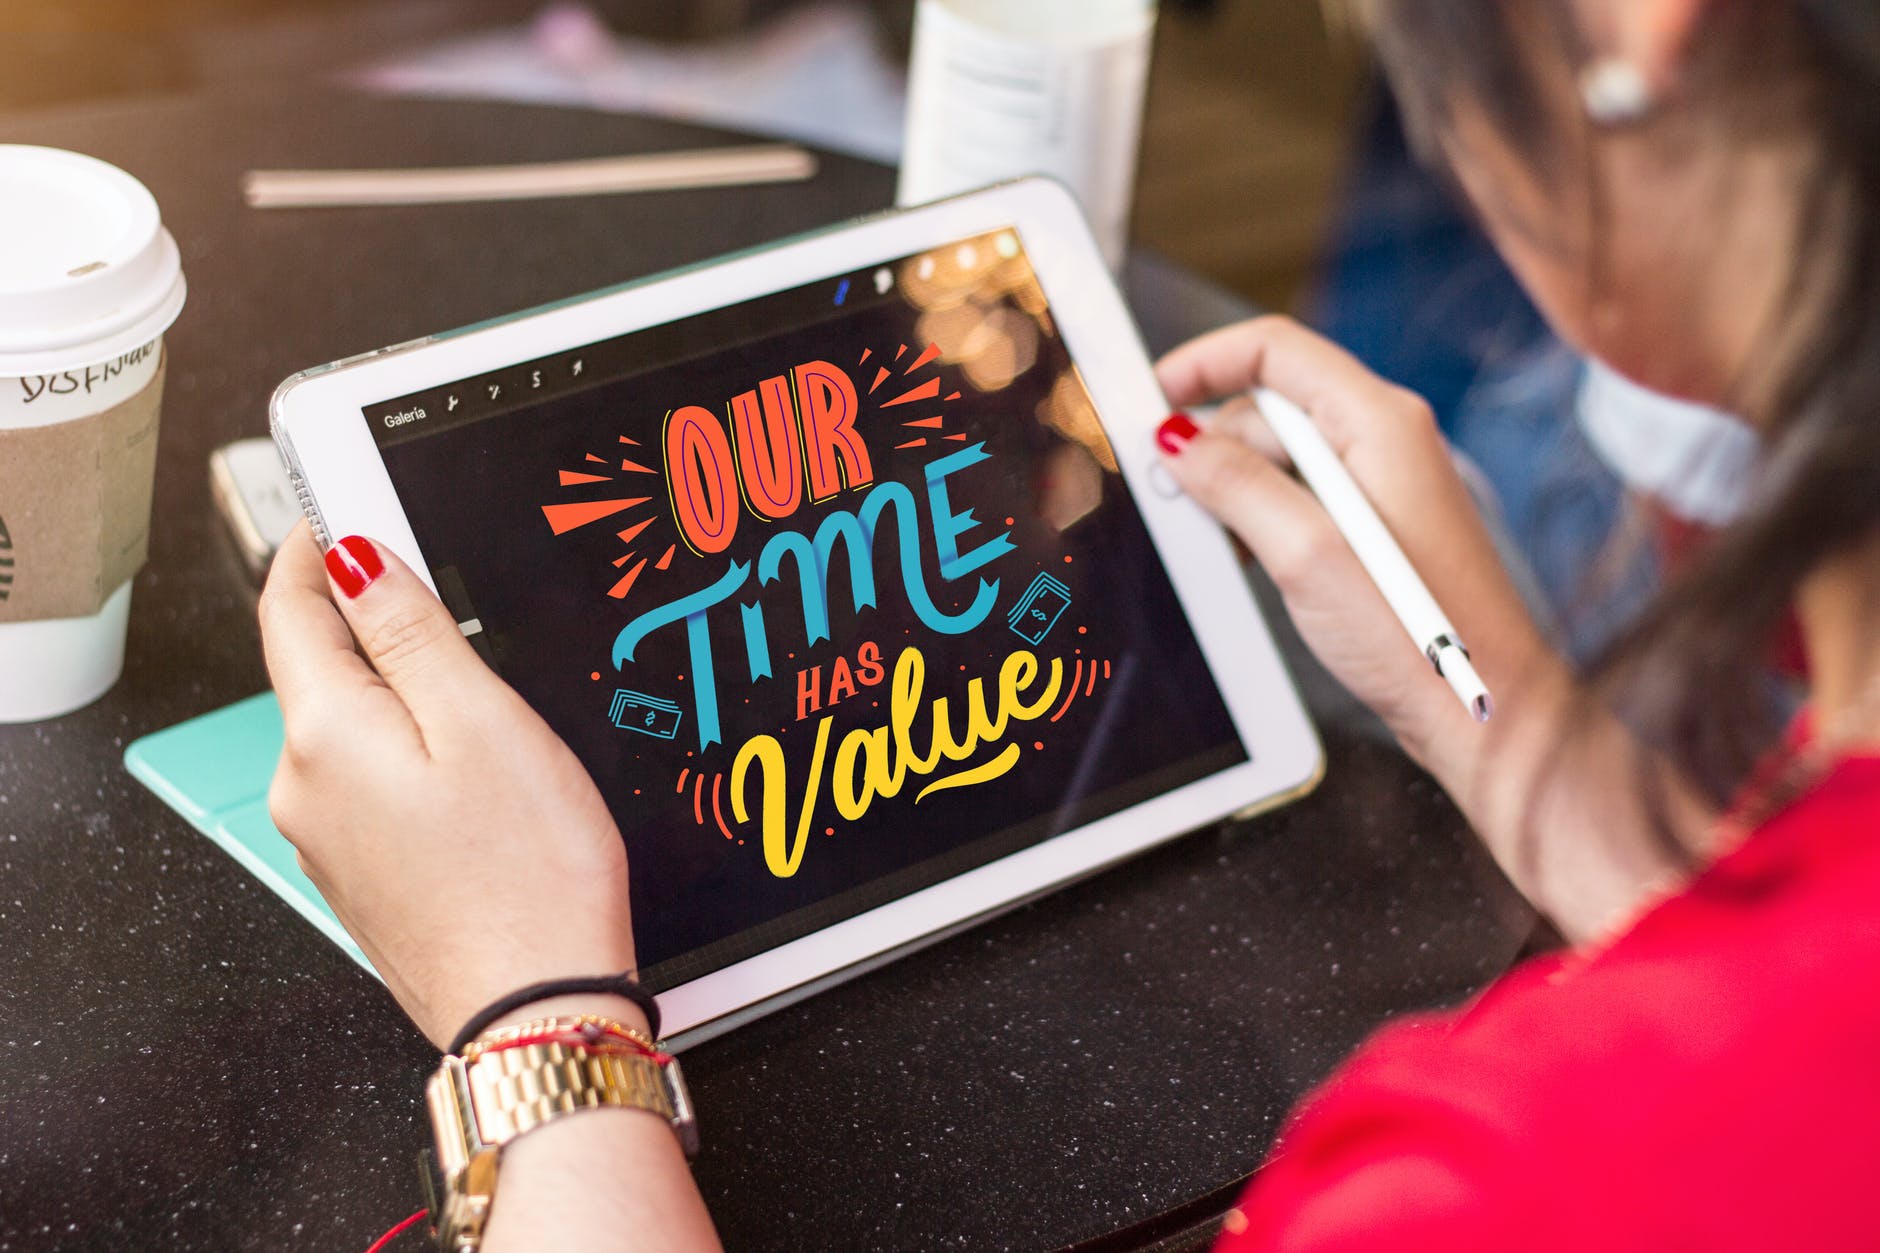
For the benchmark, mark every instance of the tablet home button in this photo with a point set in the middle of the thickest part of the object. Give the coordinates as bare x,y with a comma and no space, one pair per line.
1162,482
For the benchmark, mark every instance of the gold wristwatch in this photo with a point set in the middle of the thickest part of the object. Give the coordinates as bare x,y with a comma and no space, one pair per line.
479,1103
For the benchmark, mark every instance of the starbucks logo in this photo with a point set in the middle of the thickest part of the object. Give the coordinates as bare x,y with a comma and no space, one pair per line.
6,560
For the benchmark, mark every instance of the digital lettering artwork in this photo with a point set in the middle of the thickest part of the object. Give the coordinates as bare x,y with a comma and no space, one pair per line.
837,594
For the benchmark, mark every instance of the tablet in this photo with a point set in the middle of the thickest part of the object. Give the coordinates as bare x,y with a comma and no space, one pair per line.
846,568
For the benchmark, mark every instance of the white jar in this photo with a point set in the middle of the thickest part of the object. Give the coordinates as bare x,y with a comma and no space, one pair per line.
1002,88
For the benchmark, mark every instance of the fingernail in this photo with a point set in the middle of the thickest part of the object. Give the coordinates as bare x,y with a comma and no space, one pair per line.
354,563
1175,432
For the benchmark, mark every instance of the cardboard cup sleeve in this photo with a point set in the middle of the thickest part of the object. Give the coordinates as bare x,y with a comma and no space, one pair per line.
75,508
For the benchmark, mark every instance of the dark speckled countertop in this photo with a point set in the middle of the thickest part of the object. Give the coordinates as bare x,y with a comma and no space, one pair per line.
186,1065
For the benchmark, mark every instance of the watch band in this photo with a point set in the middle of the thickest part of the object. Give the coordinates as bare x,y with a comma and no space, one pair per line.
478,1106
516,1089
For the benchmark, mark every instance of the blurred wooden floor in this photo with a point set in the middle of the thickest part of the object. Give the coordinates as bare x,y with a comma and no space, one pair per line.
1248,123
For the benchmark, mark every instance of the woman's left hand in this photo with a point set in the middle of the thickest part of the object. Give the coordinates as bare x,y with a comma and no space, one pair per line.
456,836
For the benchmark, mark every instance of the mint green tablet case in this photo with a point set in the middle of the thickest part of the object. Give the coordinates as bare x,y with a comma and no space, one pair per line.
215,770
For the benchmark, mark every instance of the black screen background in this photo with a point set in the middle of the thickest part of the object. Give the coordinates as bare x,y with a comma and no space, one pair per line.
474,494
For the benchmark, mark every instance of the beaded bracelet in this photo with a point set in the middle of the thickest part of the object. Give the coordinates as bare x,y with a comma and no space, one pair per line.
623,985
588,1031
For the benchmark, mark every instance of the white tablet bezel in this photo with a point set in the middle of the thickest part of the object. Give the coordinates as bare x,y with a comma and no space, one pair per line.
322,432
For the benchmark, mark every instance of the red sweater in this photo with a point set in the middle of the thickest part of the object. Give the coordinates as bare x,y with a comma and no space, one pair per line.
1711,1081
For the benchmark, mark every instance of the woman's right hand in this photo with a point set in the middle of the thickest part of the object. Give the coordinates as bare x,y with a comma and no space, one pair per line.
1389,440
1550,783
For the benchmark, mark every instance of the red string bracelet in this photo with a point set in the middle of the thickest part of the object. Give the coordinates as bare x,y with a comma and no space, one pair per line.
592,1038
379,1244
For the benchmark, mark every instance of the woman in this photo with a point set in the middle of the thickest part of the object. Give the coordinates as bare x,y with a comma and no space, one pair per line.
1691,191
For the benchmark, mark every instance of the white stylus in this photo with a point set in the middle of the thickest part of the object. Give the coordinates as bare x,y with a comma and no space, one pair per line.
1383,560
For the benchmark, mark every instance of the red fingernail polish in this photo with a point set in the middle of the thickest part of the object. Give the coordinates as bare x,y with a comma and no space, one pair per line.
1175,432
354,563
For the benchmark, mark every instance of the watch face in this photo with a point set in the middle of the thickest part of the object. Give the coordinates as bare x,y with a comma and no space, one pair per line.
684,1124
432,1179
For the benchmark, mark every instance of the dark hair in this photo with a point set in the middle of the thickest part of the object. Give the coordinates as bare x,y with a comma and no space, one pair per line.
1690,670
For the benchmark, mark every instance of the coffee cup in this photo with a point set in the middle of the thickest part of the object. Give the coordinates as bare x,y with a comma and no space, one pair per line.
89,282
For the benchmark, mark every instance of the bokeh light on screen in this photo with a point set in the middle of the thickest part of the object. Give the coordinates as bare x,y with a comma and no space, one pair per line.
981,303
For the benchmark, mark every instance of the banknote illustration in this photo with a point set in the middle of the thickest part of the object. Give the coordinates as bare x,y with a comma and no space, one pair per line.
1038,610
648,715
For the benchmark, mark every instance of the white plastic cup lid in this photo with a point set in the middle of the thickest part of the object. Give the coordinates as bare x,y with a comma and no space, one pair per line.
87,271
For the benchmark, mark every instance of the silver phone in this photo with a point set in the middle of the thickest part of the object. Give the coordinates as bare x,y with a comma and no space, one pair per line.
255,499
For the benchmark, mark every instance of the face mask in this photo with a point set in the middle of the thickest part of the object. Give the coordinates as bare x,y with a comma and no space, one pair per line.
1700,463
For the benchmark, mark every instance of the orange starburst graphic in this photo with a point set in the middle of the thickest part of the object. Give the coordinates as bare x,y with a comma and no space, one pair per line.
572,515
927,390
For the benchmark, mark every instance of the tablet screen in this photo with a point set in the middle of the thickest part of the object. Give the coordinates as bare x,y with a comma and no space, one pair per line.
836,592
